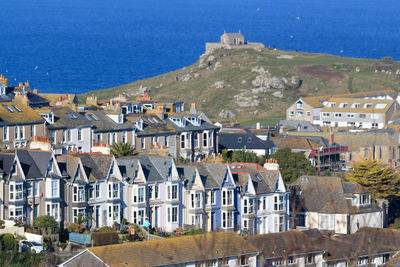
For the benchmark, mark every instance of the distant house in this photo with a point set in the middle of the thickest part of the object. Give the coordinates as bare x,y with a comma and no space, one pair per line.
244,141
68,130
211,249
232,39
329,203
19,124
364,111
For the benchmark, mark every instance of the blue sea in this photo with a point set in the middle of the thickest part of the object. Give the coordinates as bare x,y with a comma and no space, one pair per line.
79,45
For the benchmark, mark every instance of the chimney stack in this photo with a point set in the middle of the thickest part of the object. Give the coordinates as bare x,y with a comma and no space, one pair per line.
331,137
271,165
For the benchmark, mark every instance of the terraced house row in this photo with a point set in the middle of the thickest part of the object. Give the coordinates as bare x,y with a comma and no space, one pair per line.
209,196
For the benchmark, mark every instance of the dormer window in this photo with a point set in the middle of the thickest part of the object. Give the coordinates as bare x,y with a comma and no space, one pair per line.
380,106
367,105
343,105
299,105
364,199
355,105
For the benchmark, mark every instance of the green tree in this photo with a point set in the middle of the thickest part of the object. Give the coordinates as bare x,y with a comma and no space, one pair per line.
47,225
292,164
379,179
122,150
239,156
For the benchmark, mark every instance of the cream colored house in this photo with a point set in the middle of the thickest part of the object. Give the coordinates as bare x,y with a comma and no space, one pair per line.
330,204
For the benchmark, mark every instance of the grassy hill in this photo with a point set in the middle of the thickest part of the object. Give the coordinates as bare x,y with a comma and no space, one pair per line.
258,85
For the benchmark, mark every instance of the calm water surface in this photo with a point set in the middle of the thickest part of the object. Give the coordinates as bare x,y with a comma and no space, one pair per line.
75,46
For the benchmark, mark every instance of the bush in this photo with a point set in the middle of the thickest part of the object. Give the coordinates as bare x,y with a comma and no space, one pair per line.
62,245
77,228
2,224
387,60
8,242
47,225
106,229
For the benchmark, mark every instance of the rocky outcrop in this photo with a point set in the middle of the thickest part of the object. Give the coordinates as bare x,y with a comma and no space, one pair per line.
266,80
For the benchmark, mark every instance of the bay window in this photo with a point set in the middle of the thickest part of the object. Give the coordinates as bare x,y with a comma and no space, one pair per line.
113,190
52,209
79,193
172,192
195,200
77,212
114,212
172,214
16,191
55,188
227,197
16,213
279,203
279,223
227,219
138,216
248,205
138,195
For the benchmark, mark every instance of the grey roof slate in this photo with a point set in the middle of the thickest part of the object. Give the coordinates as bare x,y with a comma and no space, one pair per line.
189,126
241,141
327,195
155,168
106,124
65,117
187,174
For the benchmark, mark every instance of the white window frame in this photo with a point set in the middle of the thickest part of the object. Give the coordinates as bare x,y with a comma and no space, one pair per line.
53,210
227,197
79,196
279,203
227,219
76,212
172,192
327,221
55,192
170,214
13,213
279,223
114,190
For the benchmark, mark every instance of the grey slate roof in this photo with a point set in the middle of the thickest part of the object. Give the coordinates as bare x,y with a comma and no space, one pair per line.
6,162
63,119
189,126
105,123
129,168
96,166
241,141
212,174
34,99
264,180
187,174
155,168
328,195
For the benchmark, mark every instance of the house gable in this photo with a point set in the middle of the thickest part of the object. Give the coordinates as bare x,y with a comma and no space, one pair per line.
228,178
198,183
249,189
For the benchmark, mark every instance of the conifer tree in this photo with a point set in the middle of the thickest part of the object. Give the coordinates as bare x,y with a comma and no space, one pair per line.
379,179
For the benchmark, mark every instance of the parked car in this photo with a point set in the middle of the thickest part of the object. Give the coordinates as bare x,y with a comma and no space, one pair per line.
33,246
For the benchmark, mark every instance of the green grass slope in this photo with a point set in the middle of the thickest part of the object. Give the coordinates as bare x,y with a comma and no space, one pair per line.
224,85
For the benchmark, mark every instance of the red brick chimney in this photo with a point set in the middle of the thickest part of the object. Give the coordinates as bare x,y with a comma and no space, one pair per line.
331,137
